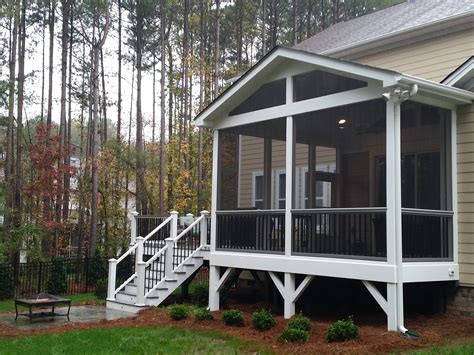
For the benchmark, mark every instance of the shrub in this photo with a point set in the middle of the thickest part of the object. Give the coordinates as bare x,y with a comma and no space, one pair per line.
203,314
57,283
233,317
342,330
201,294
179,311
6,280
300,322
101,289
293,334
263,320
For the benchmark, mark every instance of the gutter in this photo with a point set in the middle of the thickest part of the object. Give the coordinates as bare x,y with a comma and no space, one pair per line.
460,96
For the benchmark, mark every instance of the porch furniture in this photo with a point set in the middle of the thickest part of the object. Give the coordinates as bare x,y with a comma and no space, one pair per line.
42,300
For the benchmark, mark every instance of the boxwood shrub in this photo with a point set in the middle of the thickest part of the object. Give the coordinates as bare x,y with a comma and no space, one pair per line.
342,330
263,320
233,317
203,314
179,312
300,322
293,335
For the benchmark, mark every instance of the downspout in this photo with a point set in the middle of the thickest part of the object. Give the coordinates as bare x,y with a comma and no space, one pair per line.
403,95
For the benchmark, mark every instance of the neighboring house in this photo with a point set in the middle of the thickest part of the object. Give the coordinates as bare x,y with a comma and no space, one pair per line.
349,156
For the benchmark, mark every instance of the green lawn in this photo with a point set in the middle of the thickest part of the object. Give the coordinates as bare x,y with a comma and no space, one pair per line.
9,305
459,347
128,341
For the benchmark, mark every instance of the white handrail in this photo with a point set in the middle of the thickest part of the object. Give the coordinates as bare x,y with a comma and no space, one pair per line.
125,283
189,228
156,256
128,252
165,222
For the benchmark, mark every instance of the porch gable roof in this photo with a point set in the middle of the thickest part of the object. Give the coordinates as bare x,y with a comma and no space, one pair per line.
255,77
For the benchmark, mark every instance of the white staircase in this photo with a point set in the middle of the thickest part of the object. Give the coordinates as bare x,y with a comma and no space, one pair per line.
179,256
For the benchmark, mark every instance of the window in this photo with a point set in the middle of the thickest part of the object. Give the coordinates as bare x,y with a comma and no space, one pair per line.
323,193
268,95
258,191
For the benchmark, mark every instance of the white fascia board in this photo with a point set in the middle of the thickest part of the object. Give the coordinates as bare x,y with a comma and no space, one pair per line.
318,266
451,94
452,23
430,271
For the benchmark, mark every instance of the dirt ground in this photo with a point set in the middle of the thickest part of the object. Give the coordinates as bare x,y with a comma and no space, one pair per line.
373,337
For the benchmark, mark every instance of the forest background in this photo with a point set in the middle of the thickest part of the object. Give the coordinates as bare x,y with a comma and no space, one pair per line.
97,99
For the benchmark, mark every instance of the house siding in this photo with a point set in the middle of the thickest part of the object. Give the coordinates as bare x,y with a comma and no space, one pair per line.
432,59
465,154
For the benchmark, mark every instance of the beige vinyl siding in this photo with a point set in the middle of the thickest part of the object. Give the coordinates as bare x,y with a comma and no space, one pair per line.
251,162
466,193
432,59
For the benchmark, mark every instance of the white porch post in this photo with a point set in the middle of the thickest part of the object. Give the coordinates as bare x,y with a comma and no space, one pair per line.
215,183
203,236
290,143
394,213
214,271
111,280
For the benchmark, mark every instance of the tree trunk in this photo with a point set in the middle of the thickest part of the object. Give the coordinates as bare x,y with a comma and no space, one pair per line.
162,107
119,99
170,127
217,50
67,158
52,10
9,159
43,39
65,7
104,99
19,118
141,197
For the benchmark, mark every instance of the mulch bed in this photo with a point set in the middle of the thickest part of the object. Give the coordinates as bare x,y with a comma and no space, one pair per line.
373,337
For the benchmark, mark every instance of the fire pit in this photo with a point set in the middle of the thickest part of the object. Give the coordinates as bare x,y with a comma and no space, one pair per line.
42,300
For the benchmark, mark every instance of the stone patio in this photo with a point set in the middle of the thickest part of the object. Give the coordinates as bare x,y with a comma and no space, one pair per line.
78,314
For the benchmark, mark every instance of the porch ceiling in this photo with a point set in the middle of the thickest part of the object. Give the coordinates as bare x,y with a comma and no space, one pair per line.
275,62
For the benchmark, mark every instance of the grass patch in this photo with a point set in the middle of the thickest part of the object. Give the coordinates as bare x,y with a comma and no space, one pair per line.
9,305
128,341
464,346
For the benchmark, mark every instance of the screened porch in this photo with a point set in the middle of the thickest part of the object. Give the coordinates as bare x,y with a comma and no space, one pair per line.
325,193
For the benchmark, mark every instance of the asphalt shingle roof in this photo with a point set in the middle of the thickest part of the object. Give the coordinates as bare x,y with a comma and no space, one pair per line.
392,19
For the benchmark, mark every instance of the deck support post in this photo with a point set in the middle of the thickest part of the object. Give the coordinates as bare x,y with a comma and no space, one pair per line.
289,292
214,273
216,282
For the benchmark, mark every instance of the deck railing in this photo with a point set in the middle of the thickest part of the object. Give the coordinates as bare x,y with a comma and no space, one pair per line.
144,225
348,232
251,231
427,234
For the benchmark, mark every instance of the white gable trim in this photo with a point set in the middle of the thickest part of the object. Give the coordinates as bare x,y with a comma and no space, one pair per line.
349,69
463,76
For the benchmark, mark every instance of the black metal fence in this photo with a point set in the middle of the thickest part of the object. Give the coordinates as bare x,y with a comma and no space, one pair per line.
259,231
145,225
80,276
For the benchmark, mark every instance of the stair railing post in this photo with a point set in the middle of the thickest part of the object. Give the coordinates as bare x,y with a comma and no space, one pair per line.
170,244
111,280
133,228
204,215
140,271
